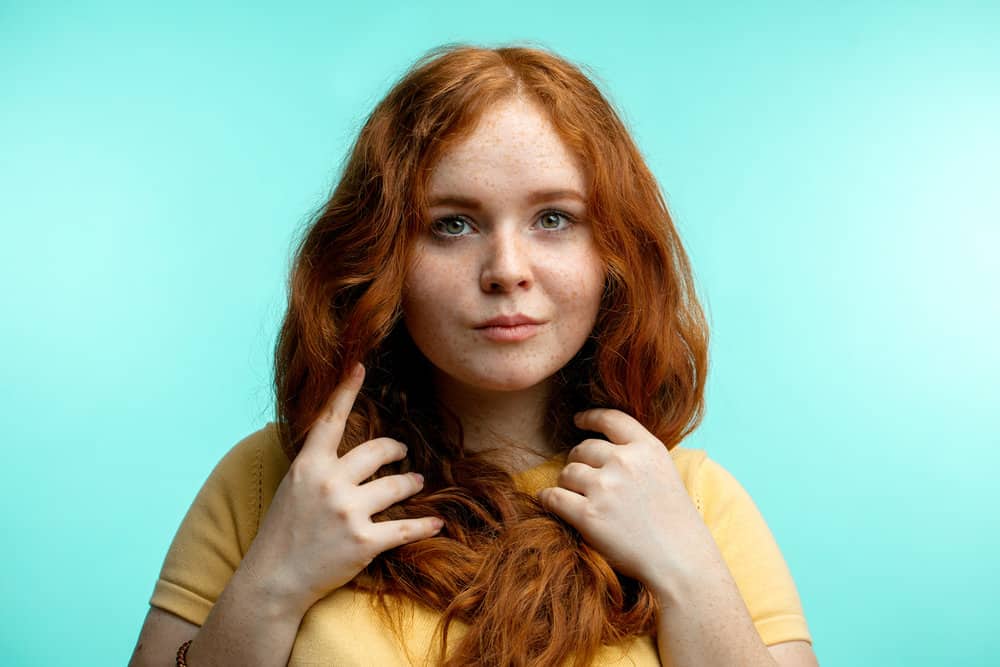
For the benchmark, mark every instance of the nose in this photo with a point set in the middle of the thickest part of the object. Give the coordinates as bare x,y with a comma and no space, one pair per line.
506,265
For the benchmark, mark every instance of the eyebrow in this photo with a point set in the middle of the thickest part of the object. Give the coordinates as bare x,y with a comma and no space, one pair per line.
532,198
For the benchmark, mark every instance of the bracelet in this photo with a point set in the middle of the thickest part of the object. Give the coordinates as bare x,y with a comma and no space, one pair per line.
182,654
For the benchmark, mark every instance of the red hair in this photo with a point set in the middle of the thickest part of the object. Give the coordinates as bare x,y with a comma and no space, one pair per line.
529,588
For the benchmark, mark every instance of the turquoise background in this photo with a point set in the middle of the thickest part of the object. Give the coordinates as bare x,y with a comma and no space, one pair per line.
832,168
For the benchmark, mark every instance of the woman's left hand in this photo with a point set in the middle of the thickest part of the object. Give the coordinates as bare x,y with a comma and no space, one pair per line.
627,499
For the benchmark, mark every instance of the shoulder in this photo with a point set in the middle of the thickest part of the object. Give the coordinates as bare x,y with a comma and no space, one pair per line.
713,489
220,525
688,462
245,479
260,453
253,460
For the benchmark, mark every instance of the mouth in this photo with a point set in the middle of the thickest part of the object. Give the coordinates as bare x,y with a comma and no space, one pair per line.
510,334
508,321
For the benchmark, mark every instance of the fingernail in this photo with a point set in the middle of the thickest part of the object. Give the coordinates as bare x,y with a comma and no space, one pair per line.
420,478
358,370
439,523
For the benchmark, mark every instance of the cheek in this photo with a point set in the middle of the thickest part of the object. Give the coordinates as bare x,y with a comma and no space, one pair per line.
420,291
585,283
432,308
420,308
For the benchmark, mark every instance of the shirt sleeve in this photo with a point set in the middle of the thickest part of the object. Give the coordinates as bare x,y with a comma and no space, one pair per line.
214,535
752,555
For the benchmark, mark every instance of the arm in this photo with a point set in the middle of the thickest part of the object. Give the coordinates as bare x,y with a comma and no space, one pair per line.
248,627
315,536
627,499
704,621
162,633
742,572
245,627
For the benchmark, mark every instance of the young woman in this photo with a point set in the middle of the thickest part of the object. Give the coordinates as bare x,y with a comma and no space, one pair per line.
491,353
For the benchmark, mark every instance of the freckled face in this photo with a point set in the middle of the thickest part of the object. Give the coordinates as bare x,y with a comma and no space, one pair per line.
493,246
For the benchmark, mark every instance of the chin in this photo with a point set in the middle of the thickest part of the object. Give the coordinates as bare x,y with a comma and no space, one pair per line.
503,379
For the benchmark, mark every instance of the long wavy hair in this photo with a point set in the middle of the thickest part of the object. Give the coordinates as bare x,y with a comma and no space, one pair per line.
527,586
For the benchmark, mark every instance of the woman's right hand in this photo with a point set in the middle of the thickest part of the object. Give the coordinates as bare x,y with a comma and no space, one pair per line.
318,533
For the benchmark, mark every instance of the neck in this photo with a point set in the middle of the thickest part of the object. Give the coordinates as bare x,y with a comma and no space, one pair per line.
512,424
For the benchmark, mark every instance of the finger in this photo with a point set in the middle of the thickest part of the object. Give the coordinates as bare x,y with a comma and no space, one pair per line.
326,433
591,451
364,460
384,492
578,477
391,534
619,427
567,504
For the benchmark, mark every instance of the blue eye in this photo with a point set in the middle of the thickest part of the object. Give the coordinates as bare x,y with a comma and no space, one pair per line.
456,226
548,216
449,227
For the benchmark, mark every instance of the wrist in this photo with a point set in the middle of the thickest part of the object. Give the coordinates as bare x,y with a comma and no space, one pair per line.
670,587
269,596
677,580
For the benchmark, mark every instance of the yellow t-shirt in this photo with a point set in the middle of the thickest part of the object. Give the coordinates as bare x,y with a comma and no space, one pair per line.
342,629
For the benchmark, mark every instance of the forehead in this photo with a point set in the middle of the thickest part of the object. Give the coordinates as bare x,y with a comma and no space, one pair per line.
513,146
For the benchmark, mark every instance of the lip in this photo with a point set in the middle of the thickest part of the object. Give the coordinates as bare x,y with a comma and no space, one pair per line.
512,334
507,321
509,328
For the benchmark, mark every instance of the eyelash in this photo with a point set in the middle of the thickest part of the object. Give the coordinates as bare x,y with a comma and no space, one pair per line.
451,237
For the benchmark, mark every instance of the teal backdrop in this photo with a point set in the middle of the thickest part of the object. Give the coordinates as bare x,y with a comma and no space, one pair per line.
832,168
